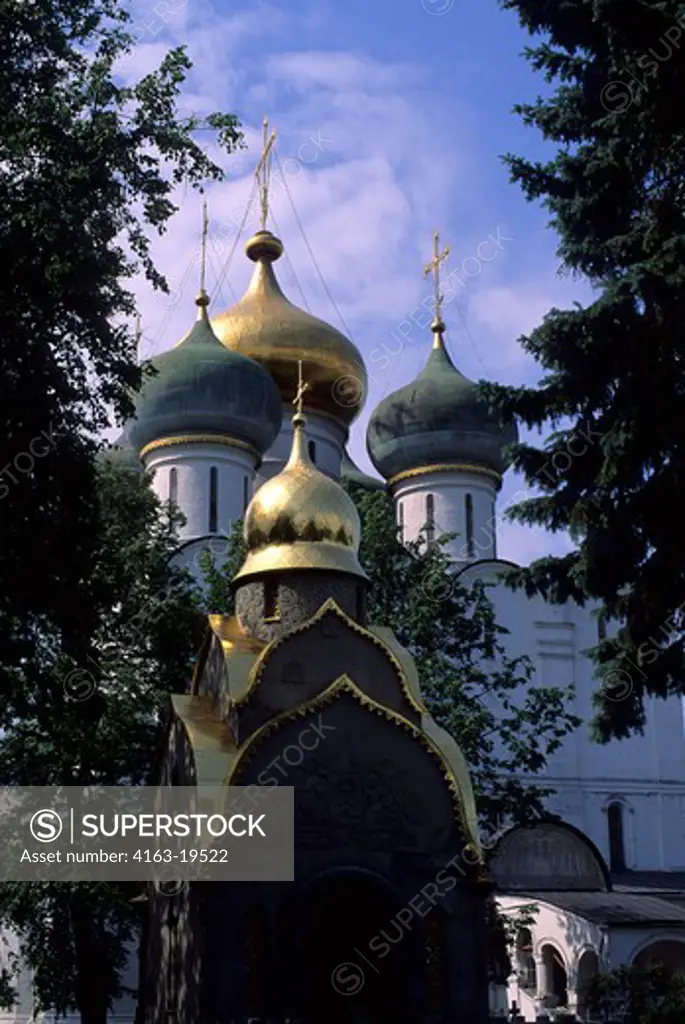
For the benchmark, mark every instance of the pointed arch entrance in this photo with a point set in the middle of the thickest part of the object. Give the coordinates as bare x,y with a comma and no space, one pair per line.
359,961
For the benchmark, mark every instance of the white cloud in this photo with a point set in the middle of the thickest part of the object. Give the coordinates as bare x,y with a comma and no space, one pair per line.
339,72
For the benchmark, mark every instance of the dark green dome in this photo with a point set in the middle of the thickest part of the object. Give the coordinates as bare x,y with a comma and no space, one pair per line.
122,454
201,387
438,419
349,470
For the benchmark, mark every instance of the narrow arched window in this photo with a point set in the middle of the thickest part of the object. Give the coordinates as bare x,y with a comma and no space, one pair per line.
246,492
430,518
213,499
470,547
617,856
400,521
272,611
311,448
173,486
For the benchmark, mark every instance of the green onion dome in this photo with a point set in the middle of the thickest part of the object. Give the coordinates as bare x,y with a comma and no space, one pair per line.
204,390
121,454
351,472
438,420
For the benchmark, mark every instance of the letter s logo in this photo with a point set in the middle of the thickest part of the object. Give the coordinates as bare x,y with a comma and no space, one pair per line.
46,826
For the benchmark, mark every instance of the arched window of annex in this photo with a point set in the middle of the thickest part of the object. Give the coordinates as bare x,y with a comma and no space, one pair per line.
666,950
618,823
553,984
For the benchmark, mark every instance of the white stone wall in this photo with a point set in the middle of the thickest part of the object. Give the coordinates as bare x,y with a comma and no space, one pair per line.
193,463
450,491
625,944
645,772
23,1008
328,436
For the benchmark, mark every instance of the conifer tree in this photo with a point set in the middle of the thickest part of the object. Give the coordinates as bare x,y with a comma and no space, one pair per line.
613,384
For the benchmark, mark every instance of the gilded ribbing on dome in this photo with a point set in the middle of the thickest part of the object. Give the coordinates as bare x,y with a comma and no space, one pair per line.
270,329
301,518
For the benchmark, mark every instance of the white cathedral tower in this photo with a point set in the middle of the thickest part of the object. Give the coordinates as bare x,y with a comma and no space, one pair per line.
442,451
202,424
443,454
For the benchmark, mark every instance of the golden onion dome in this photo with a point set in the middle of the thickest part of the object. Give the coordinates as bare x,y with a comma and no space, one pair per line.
301,519
268,328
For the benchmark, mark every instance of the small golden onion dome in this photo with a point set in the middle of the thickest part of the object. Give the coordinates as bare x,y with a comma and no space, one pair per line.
301,519
268,328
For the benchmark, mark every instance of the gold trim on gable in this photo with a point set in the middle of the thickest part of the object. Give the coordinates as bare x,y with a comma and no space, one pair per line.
344,684
231,634
330,604
445,467
208,738
229,442
239,651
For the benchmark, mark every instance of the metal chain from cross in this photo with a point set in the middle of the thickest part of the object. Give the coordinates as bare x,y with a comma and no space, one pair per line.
203,248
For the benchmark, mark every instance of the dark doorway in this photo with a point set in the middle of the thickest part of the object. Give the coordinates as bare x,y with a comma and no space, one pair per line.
358,959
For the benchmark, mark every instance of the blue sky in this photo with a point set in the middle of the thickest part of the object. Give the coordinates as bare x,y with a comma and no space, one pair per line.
391,120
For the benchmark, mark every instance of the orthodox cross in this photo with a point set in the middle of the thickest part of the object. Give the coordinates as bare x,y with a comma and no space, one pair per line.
434,268
298,400
263,171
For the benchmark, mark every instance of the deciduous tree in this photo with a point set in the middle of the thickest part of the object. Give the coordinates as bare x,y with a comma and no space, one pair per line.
637,995
96,721
88,168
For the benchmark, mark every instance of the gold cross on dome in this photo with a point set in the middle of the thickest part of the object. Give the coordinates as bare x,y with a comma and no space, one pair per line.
434,268
263,172
298,400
